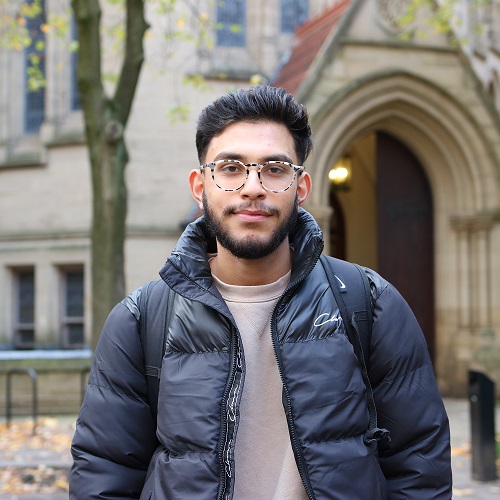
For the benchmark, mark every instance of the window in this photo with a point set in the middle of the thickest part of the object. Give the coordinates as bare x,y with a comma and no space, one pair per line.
34,99
24,304
293,14
231,23
72,323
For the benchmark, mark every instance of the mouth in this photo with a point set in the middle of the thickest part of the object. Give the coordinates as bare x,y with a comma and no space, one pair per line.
252,215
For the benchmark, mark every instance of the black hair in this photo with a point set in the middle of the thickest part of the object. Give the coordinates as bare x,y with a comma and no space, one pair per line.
259,103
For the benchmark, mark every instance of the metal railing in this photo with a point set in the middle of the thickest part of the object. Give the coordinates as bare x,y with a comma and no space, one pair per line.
34,392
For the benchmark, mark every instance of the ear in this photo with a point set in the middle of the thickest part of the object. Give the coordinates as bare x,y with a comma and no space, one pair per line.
197,185
304,186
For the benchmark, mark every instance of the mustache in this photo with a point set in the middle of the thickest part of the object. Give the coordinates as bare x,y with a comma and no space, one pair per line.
251,206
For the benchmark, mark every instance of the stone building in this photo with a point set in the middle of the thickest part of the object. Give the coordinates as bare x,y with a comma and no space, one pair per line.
413,123
415,126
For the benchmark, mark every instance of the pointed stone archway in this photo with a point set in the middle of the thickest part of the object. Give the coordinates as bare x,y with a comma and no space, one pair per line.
460,163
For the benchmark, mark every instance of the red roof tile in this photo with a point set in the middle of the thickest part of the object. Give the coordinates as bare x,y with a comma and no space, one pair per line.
309,38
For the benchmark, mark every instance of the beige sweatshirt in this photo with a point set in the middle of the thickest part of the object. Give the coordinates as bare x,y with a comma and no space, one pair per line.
265,467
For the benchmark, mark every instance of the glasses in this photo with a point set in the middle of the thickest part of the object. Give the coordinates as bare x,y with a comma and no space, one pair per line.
274,176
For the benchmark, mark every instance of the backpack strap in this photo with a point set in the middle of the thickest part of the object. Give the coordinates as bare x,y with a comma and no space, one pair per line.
155,304
357,304
351,289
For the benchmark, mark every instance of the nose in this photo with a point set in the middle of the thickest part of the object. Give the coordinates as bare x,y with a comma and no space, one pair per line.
252,187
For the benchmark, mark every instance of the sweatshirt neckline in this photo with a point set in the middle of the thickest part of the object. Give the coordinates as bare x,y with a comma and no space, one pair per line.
256,293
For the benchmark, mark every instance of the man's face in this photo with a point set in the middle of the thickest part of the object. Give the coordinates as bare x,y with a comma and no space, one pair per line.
251,222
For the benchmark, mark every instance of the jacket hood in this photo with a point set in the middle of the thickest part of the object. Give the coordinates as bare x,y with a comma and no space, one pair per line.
189,257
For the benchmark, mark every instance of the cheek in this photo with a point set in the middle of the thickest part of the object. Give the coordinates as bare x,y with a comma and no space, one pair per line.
213,200
292,202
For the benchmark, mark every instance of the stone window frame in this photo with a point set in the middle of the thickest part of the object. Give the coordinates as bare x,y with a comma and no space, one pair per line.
22,324
62,123
67,320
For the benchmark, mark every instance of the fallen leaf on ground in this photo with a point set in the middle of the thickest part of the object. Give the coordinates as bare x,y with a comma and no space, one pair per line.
463,493
51,440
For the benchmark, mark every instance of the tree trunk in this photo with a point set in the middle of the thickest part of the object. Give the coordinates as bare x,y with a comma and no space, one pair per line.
105,121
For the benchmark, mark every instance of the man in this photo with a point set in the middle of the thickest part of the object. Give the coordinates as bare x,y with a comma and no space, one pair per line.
258,398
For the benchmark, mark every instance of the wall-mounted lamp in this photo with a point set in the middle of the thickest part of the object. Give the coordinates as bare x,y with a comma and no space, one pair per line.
340,174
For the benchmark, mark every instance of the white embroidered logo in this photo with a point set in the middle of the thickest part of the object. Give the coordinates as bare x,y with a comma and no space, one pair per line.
325,318
342,284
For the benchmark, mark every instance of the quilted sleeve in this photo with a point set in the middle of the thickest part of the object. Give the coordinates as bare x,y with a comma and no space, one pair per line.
115,436
417,465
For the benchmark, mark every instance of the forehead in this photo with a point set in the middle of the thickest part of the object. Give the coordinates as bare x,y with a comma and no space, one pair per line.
253,142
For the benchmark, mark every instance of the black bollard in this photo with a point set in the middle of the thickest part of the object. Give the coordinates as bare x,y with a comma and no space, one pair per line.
482,421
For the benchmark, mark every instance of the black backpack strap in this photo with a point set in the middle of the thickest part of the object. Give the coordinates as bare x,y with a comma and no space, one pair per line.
351,289
155,304
357,303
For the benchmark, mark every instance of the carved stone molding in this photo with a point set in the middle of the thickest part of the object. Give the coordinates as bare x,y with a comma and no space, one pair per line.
472,223
391,11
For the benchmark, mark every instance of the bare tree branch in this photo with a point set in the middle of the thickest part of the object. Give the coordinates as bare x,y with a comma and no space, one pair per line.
136,26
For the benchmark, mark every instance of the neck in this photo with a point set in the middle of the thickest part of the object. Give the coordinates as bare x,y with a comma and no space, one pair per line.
249,272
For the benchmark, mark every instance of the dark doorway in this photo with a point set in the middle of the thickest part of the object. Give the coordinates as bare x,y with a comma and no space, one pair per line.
337,228
405,229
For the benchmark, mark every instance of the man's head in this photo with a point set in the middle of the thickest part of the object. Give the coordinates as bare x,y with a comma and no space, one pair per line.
259,103
251,181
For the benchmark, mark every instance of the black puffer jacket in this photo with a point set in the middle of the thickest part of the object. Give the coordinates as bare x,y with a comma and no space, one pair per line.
202,375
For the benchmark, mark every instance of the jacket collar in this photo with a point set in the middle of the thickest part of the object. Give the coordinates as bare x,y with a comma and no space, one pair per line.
189,257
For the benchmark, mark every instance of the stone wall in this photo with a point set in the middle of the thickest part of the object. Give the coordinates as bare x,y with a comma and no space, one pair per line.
60,382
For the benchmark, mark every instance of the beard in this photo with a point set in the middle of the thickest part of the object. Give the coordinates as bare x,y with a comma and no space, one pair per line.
250,247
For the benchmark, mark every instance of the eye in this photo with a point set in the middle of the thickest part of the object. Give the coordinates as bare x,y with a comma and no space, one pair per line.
230,168
276,169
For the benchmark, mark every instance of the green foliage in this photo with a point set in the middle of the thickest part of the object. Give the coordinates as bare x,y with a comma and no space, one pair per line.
195,80
116,33
34,74
235,28
13,35
165,7
58,24
13,32
185,21
178,113
445,16
73,46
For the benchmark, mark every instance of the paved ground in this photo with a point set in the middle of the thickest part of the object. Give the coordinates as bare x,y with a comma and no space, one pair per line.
47,453
463,484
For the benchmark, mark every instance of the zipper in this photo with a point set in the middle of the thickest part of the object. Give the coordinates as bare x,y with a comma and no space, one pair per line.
287,403
228,419
228,411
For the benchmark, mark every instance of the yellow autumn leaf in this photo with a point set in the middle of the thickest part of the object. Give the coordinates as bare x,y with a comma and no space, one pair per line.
463,493
61,483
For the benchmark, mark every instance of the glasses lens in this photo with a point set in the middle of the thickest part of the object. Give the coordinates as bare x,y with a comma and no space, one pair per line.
229,174
276,176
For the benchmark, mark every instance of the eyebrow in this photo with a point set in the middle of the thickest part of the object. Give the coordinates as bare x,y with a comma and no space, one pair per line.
228,155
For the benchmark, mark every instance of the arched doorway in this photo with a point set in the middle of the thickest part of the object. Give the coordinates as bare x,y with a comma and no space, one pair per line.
385,221
455,147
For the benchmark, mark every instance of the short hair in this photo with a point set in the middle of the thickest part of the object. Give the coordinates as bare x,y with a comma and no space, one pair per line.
259,103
